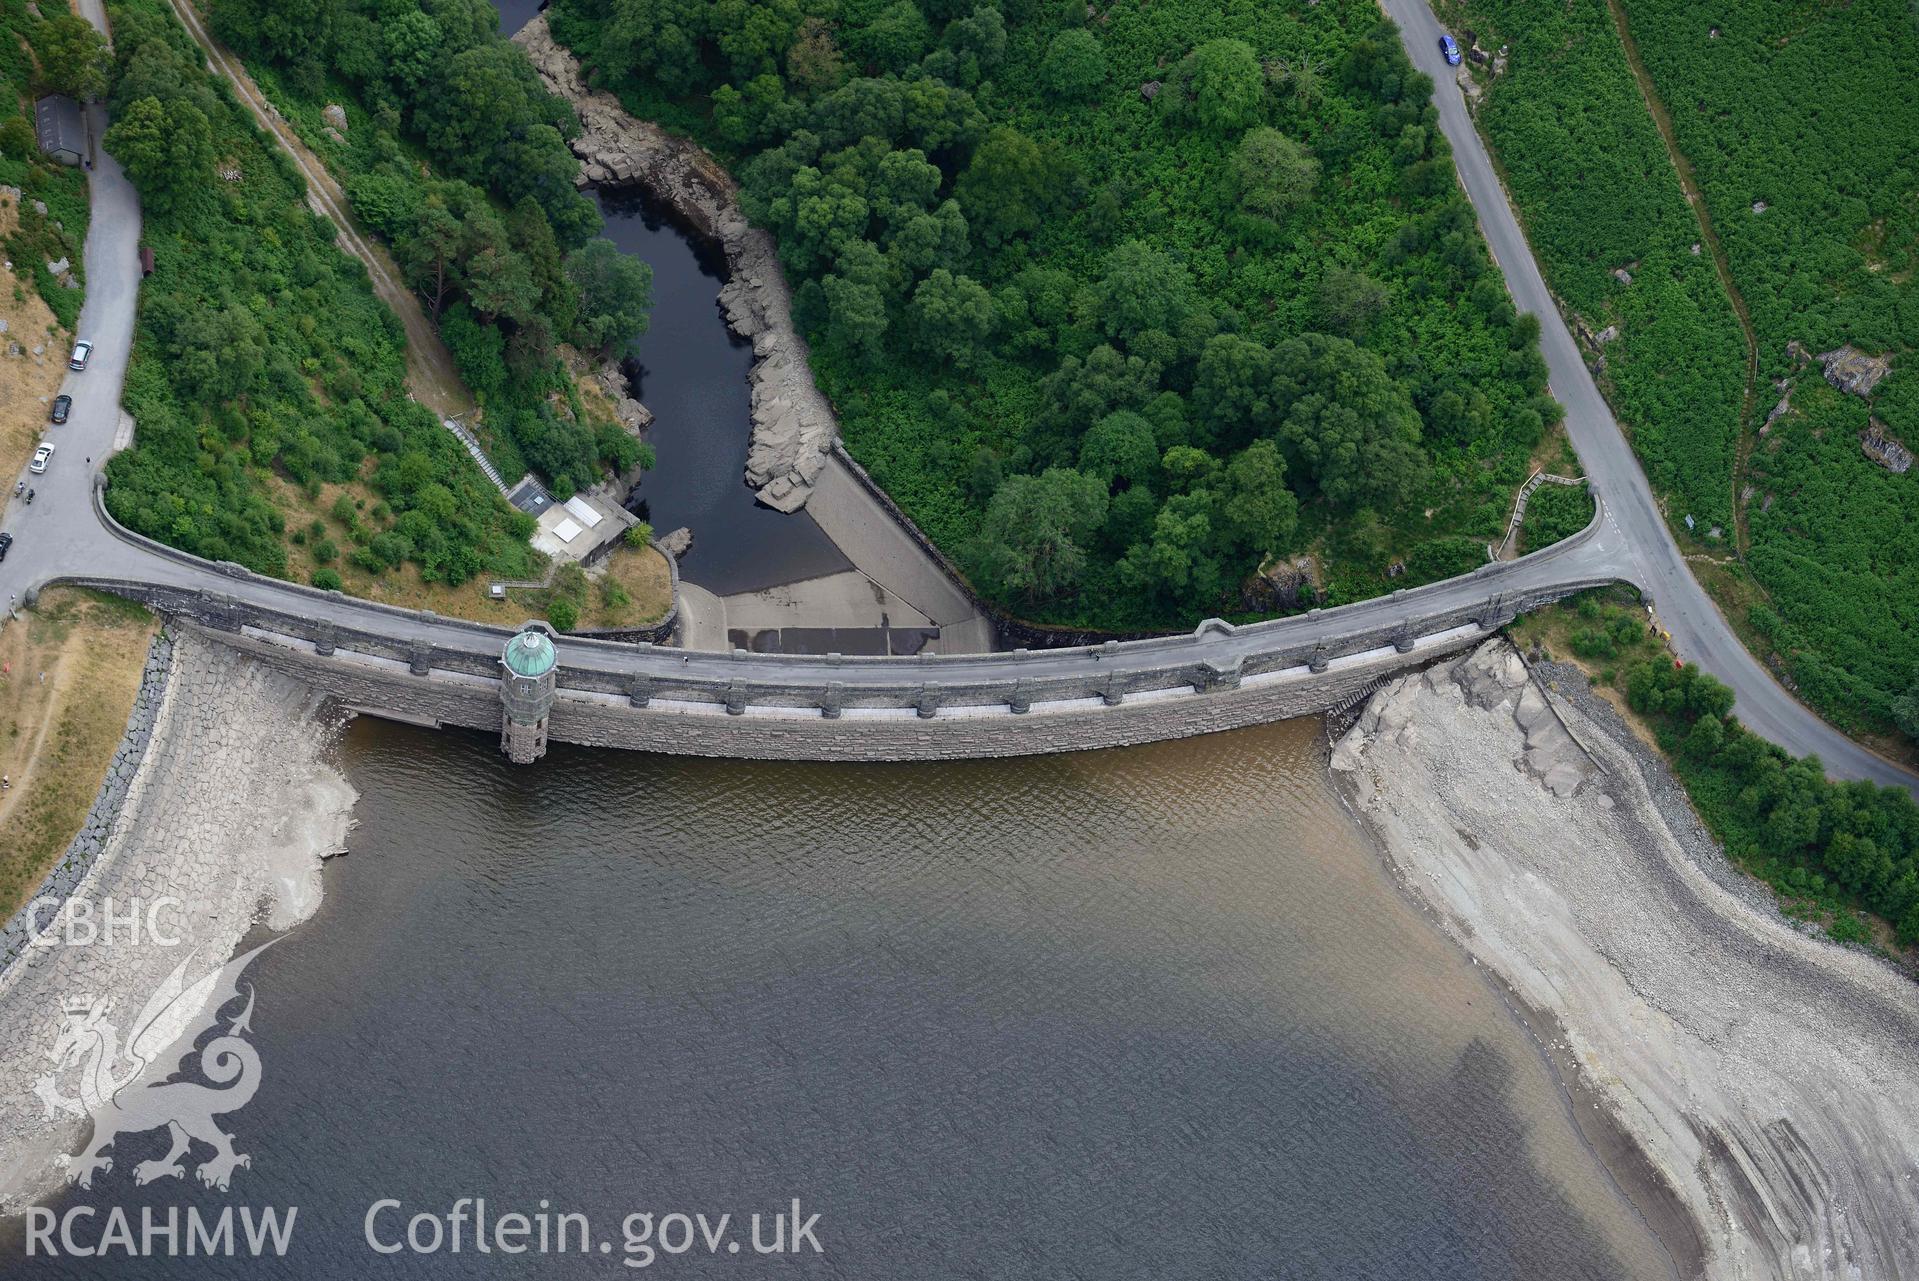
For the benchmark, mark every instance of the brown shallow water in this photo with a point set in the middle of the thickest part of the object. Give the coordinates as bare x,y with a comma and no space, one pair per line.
1143,1013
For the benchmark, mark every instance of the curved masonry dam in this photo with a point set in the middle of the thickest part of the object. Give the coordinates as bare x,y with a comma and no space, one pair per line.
433,671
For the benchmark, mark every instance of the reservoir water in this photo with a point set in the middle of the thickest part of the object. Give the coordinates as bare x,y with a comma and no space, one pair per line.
1146,1013
1152,1013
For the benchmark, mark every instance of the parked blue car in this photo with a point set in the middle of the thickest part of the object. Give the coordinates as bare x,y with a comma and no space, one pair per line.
1448,47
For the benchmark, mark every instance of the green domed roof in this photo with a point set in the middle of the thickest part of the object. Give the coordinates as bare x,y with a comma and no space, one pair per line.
530,654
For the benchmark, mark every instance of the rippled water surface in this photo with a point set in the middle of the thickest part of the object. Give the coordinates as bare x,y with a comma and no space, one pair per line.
1151,1013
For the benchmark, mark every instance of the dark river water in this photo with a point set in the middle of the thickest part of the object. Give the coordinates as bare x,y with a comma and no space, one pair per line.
691,372
1150,1013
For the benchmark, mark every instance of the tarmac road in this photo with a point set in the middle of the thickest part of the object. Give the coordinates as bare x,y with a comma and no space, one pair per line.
62,536
1700,633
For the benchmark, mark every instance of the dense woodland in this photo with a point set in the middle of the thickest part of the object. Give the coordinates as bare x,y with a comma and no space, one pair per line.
1585,163
59,53
1119,302
1833,846
1808,111
262,355
1791,108
456,156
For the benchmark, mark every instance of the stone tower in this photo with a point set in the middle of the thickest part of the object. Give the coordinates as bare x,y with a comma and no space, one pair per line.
530,673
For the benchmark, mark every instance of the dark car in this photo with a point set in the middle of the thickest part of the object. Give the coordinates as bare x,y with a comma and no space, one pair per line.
1450,48
6,541
62,406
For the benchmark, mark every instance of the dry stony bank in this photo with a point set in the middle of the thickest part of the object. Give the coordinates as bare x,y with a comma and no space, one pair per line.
1770,1080
227,814
793,423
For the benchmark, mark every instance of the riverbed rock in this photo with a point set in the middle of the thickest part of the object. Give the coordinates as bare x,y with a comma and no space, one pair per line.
794,426
1852,370
678,543
631,414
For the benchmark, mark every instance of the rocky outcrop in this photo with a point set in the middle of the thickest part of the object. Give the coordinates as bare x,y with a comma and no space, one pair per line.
1852,370
678,543
794,426
1752,1086
1884,450
630,413
1492,679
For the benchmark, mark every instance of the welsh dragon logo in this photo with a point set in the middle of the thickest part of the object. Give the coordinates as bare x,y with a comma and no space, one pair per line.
127,1090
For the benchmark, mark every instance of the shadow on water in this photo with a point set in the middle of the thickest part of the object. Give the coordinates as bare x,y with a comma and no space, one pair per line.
1148,1013
690,370
515,14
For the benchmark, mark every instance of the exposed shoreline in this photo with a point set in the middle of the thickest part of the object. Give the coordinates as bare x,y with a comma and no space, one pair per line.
1753,1089
225,819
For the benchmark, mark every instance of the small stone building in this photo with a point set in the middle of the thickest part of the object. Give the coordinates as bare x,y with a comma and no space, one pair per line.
61,128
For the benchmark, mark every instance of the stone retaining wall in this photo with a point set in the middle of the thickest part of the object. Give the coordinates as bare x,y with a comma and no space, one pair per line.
92,837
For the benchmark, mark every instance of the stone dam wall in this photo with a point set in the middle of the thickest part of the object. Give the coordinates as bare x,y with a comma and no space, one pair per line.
681,725
434,671
918,717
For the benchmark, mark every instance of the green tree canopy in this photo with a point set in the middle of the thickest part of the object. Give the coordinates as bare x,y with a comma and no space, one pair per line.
1227,85
1007,186
1074,67
952,317
1032,543
166,149
616,294
1272,173
73,57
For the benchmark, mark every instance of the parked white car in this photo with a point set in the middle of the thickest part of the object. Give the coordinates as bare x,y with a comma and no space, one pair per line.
41,457
82,352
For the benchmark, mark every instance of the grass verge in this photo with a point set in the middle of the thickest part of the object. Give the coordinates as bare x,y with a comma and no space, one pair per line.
70,669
